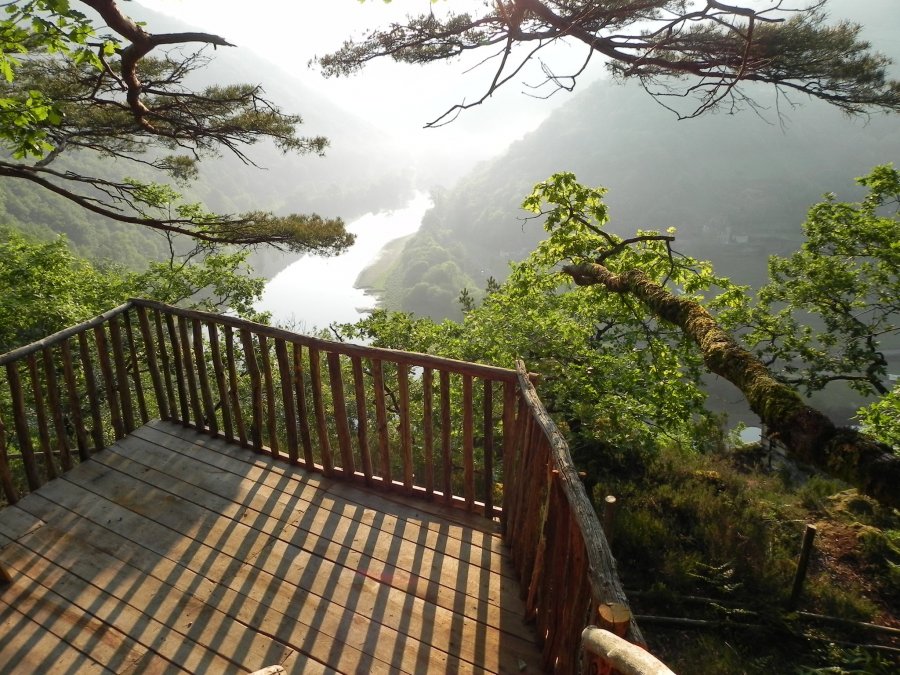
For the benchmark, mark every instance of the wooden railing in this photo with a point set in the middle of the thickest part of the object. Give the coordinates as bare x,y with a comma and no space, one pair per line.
415,423
558,547
462,433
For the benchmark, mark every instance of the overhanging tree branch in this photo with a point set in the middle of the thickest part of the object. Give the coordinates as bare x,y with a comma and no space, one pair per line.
714,46
74,91
809,434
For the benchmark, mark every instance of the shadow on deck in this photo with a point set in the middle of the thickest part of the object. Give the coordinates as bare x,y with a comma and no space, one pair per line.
172,550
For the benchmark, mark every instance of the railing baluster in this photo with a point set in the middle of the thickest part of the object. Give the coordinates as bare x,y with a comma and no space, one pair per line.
209,409
74,401
362,421
341,424
166,370
446,458
535,487
233,400
405,430
6,479
256,403
271,414
178,362
87,367
577,615
468,444
23,433
287,397
136,369
384,442
488,446
514,474
302,412
106,371
162,400
121,375
56,410
509,447
40,411
315,374
428,428
189,374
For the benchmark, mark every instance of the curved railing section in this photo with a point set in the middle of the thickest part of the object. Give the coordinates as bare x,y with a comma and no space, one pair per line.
558,545
472,436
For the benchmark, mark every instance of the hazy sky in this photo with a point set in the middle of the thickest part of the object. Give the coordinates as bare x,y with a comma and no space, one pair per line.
400,98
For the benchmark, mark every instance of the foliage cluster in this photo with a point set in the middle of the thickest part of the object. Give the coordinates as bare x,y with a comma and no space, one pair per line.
829,308
70,89
44,287
692,58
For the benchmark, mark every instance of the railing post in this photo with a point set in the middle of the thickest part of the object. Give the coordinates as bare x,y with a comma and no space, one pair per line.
20,420
162,402
9,489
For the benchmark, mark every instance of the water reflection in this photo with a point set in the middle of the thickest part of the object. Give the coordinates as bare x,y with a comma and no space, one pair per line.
314,292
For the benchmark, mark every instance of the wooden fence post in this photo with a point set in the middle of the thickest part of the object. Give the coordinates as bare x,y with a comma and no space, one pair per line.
802,564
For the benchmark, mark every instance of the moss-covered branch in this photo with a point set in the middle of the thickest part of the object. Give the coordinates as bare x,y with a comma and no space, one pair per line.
808,433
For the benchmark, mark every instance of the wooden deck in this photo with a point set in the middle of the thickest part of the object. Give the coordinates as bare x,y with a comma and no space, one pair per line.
173,551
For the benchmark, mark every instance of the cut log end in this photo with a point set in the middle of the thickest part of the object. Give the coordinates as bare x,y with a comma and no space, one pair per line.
614,617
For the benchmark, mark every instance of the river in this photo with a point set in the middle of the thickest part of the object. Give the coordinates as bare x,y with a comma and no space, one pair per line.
314,291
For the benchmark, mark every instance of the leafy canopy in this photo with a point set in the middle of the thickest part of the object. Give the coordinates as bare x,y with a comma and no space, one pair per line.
831,306
44,287
71,90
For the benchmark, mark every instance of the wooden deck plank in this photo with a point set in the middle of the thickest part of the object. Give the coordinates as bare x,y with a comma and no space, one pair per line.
91,516
175,625
57,617
479,530
409,570
407,564
395,610
409,567
414,534
312,609
27,646
183,549
483,552
17,523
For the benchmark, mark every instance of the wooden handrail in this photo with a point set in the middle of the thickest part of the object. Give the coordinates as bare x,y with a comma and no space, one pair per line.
558,545
606,652
414,359
65,334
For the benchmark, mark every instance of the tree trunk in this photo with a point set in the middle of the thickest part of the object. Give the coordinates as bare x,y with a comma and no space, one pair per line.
809,434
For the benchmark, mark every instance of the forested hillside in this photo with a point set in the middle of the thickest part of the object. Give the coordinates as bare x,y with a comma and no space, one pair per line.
736,187
344,183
